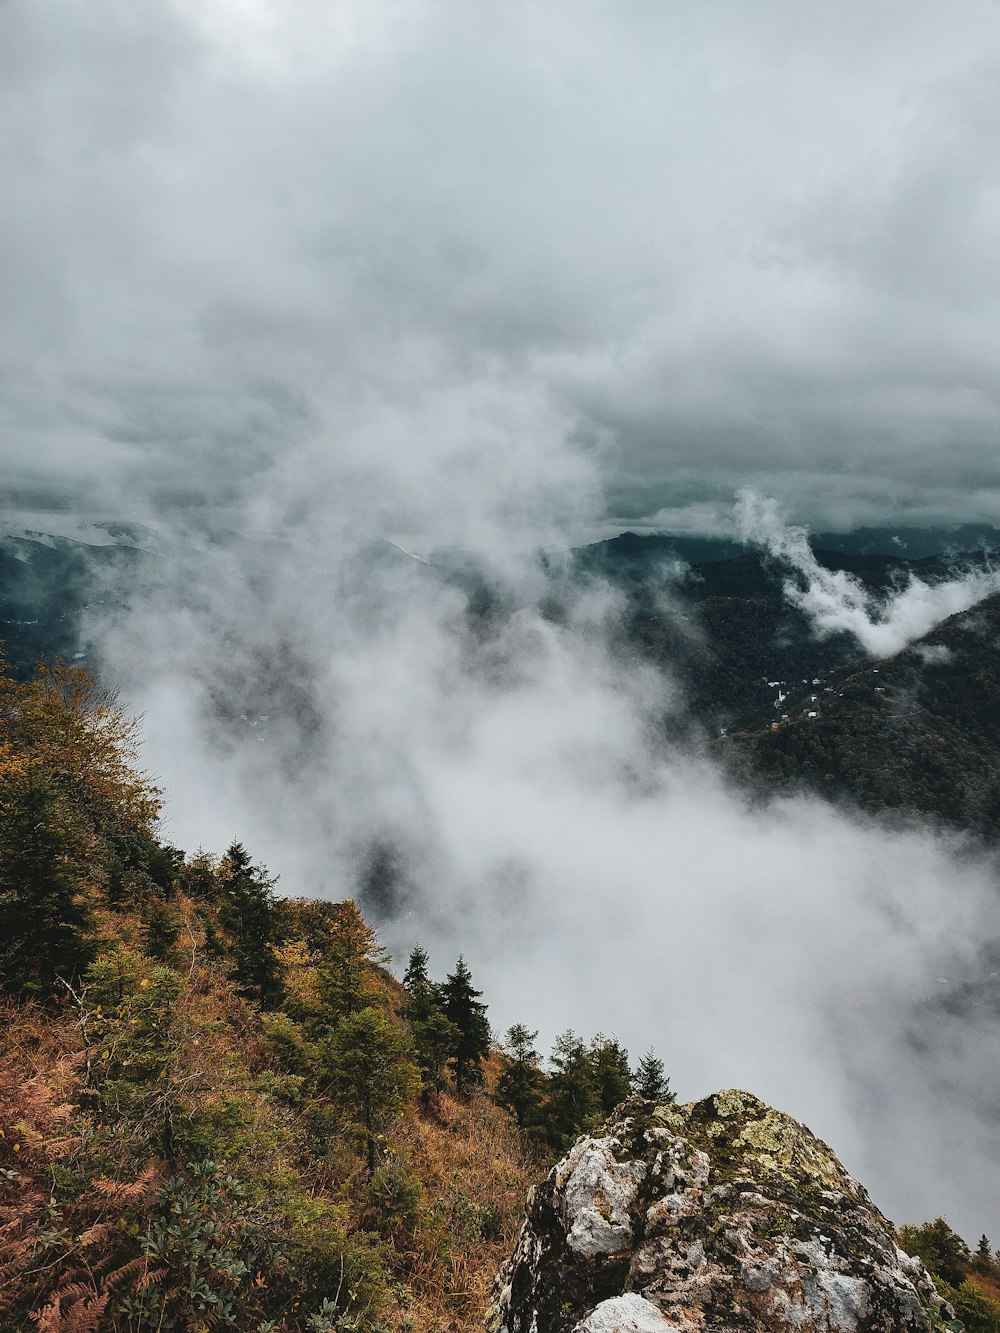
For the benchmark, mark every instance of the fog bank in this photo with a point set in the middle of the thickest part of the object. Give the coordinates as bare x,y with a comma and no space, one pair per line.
497,781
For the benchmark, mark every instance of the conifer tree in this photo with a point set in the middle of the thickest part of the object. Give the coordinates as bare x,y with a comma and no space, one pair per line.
46,923
349,953
649,1080
571,1104
249,911
374,1072
434,1036
519,1086
611,1073
983,1259
415,977
463,1008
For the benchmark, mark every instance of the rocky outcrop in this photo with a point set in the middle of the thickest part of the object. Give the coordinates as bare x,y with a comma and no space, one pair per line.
721,1215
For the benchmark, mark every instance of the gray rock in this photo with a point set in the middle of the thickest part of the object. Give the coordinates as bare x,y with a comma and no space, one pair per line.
722,1215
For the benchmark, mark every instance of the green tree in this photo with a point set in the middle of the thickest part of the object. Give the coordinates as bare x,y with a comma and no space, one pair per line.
163,927
465,1011
348,954
611,1073
250,912
46,922
977,1312
435,1037
943,1251
415,979
984,1255
519,1085
373,1072
571,1104
650,1081
128,1012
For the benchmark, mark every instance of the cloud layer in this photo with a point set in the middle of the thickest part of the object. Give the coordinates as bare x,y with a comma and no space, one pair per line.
498,783
730,246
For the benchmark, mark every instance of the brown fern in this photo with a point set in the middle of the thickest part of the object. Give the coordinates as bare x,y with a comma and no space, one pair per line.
84,1312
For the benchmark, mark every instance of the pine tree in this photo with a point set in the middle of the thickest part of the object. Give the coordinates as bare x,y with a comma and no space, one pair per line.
349,953
649,1080
983,1258
463,1008
611,1072
250,912
571,1104
434,1039
519,1086
373,1071
415,978
46,923
434,1036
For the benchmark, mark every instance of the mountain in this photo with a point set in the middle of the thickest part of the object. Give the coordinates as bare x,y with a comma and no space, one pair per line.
918,733
49,582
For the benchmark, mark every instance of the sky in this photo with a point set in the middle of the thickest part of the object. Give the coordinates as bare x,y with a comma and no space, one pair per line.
285,279
721,245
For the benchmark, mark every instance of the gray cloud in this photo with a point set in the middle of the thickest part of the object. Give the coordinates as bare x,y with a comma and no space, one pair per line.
730,246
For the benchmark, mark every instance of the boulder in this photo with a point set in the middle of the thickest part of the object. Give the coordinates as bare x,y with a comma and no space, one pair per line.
721,1215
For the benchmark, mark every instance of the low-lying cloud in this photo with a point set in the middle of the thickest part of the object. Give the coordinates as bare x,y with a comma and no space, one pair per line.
494,778
836,601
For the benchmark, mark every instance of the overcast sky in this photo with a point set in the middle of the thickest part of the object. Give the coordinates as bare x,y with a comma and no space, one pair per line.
712,244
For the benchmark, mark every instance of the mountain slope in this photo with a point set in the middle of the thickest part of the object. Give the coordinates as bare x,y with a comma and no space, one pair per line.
918,732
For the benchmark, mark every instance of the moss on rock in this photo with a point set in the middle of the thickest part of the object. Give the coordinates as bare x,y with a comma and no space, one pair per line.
738,1218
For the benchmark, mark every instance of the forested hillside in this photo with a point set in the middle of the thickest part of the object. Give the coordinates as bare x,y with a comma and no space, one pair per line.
917,733
219,1107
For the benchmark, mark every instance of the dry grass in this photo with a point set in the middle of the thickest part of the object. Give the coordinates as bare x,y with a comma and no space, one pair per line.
476,1172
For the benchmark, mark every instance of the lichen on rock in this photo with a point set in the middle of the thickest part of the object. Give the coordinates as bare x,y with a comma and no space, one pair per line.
722,1215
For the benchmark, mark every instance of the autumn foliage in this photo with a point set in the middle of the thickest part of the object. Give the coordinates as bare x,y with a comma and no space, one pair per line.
209,1095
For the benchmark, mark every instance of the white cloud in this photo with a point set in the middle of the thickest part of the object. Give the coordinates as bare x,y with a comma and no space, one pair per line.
836,601
594,875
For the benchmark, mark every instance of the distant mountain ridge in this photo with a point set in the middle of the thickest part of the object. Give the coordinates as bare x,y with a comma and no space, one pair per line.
919,733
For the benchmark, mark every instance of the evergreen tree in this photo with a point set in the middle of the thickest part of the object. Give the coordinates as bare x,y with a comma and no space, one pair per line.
415,977
46,923
250,912
943,1251
372,1064
163,927
649,1080
434,1036
611,1073
434,1039
519,1086
984,1255
976,1312
463,1008
349,953
571,1104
